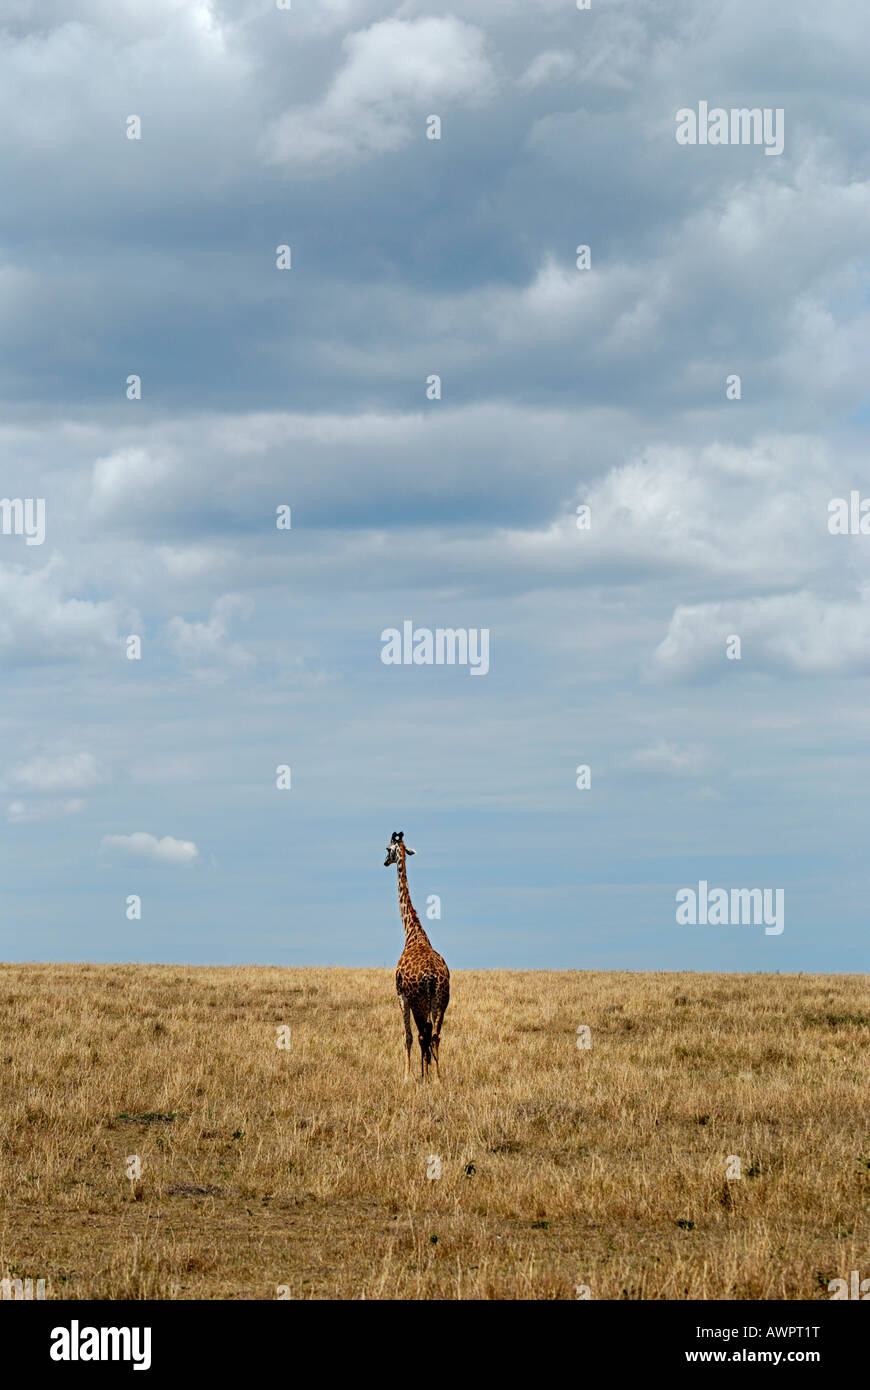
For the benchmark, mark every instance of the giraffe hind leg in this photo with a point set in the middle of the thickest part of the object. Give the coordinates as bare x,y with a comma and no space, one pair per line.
409,1040
424,1037
437,1020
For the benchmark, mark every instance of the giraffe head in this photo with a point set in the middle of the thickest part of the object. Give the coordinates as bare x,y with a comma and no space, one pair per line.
396,842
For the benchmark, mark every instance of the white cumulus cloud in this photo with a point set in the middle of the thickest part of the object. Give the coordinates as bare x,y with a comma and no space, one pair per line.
553,66
205,648
796,634
393,73
141,845
66,772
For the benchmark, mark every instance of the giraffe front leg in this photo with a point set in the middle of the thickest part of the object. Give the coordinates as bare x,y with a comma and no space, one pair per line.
409,1037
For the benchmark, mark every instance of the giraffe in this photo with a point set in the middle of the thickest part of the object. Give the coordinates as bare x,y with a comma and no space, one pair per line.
422,977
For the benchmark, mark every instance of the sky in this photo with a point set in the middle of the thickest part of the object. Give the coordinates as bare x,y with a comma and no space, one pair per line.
170,383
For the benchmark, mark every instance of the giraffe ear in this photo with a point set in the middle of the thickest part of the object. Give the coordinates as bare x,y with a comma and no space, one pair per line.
408,850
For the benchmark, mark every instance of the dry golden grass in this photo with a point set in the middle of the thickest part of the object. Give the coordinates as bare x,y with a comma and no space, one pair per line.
307,1167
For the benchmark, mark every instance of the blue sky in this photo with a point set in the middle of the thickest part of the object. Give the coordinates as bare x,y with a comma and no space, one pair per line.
306,387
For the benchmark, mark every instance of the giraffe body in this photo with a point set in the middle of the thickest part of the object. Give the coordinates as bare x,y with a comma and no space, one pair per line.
422,977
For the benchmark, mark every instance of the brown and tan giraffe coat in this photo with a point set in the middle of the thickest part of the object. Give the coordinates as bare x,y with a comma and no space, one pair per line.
422,977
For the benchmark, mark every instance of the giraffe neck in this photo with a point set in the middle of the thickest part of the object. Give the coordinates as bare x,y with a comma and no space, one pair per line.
410,920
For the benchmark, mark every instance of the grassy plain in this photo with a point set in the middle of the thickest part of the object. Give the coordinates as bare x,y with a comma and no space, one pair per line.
305,1167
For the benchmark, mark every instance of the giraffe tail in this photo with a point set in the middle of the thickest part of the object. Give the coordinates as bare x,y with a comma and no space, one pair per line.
429,985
